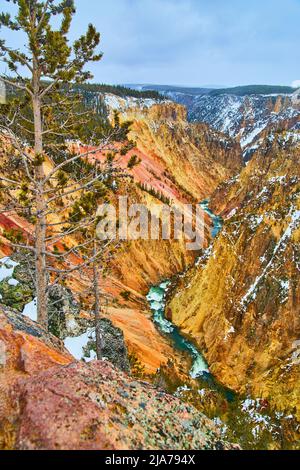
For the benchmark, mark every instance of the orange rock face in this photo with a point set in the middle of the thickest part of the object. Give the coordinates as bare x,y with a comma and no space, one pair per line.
196,157
25,350
142,337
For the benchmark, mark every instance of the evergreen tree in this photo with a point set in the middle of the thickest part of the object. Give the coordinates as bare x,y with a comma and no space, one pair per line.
42,119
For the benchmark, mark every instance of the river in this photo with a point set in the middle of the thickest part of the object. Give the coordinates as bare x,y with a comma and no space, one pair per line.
157,302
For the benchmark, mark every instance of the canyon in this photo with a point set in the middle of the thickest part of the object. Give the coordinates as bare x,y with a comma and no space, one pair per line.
240,302
180,173
236,301
245,113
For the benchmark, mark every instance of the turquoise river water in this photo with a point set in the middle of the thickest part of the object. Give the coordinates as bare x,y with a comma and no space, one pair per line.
157,301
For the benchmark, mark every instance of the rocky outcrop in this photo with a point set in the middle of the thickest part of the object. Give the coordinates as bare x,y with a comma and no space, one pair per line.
19,328
94,407
25,350
50,402
18,290
241,302
64,313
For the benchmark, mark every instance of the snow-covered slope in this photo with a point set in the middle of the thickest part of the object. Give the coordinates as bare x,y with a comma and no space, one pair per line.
241,303
243,117
114,102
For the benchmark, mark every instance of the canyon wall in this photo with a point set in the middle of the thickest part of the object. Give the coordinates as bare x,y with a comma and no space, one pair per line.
241,301
247,116
196,157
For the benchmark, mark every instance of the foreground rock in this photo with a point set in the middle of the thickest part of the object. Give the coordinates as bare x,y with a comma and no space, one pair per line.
48,401
94,406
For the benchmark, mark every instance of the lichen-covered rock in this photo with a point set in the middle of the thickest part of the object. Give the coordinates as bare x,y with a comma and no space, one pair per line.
25,349
48,401
16,286
18,290
15,296
94,406
64,313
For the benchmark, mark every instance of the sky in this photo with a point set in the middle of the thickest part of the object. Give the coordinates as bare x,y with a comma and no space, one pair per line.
192,42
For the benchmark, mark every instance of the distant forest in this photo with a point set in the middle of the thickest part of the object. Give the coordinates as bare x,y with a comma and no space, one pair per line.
117,90
253,90
95,88
92,94
174,89
196,91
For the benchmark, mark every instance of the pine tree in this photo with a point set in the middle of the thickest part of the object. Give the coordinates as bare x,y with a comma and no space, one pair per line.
41,120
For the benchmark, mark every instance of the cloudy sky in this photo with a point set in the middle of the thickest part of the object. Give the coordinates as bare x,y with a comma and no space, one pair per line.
194,42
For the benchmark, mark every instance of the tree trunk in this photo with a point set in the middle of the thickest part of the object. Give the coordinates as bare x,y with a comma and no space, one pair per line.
97,312
40,230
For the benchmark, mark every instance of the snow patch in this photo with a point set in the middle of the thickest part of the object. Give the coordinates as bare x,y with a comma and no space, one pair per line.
76,346
116,103
251,136
7,267
231,331
30,310
251,293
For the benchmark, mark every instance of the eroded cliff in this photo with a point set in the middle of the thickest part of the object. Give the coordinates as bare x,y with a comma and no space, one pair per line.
241,301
